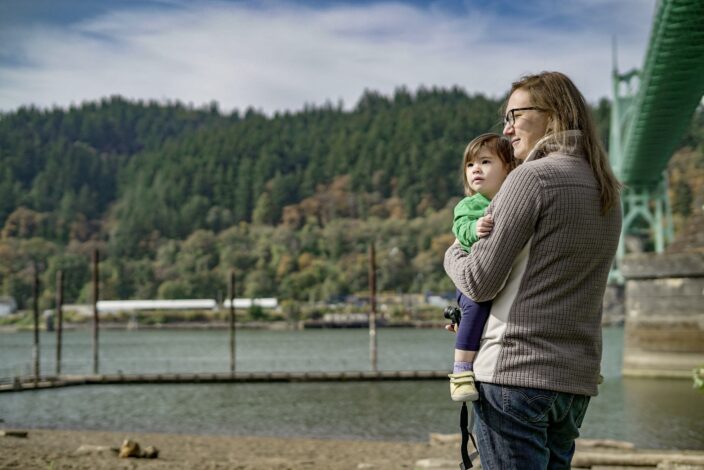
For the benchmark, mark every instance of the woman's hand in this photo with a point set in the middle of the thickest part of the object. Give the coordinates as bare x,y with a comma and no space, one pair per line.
484,226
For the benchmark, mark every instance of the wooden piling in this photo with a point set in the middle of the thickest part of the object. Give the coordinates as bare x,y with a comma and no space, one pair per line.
96,293
372,302
35,309
59,317
231,295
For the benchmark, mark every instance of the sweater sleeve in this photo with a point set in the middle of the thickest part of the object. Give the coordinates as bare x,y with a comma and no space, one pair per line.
481,273
466,214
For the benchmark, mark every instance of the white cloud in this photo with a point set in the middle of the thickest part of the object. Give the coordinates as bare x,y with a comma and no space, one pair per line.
278,56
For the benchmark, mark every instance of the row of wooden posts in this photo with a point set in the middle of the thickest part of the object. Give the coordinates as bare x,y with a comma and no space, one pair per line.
231,295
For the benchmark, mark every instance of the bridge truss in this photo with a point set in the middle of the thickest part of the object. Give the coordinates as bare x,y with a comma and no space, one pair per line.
651,110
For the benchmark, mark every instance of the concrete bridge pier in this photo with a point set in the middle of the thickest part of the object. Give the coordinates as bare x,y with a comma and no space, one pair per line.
664,325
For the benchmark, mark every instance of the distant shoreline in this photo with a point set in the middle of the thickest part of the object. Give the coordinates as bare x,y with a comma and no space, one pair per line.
220,325
267,325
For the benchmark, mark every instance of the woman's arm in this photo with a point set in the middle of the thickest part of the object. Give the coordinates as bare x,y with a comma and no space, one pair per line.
481,273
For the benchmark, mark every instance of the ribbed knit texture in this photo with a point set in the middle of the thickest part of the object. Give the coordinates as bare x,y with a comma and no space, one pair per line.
552,338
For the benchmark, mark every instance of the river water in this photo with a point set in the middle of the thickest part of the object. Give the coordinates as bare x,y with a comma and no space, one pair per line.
649,413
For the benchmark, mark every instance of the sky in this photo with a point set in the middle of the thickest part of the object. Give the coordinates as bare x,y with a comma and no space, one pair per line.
284,55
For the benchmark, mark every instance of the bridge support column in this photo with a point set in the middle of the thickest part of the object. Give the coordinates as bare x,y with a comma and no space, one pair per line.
664,332
650,207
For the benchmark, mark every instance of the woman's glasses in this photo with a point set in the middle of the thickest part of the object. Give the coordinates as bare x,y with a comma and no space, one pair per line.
510,118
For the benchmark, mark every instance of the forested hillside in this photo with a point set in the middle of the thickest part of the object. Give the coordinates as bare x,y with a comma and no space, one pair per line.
174,196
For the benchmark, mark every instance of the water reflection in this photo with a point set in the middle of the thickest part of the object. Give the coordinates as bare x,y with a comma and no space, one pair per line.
644,402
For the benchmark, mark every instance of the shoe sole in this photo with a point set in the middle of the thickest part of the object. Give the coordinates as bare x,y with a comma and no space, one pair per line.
472,397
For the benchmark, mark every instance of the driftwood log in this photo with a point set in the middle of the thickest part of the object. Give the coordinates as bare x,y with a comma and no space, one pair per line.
636,458
10,433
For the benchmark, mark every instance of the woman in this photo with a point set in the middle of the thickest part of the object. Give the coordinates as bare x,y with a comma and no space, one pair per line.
557,221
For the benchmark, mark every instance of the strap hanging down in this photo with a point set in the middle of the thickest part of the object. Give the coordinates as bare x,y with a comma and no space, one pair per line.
466,436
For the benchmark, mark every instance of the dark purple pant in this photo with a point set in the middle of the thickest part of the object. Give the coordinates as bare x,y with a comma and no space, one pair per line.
474,316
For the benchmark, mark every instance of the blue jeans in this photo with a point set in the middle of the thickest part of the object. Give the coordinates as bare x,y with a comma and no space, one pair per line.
527,428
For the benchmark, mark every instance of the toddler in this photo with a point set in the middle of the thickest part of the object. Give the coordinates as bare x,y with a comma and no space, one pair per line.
488,159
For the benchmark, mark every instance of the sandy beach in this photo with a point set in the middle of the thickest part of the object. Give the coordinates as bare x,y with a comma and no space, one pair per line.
57,449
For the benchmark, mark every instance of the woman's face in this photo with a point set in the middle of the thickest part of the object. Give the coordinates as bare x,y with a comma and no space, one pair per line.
529,125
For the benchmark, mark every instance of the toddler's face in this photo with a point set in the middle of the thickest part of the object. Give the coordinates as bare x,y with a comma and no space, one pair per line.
486,173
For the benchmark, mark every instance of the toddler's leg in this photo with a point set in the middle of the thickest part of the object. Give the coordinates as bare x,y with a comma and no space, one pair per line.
464,361
474,316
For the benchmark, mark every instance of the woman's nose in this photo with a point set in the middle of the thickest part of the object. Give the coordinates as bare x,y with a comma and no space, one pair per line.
508,129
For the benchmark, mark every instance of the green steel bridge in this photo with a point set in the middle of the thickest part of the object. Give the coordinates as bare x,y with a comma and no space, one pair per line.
652,107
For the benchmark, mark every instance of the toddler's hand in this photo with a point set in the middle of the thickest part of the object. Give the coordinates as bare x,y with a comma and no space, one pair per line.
484,226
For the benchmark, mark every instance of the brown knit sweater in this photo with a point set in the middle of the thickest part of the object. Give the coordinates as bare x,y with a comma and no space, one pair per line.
545,264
